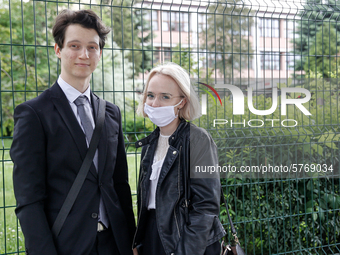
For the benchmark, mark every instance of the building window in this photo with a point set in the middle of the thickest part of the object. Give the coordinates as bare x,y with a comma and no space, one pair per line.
291,60
289,31
270,60
167,54
161,55
247,63
206,60
157,55
201,22
269,27
175,21
152,18
241,26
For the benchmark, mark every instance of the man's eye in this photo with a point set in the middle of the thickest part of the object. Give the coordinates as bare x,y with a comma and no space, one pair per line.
74,46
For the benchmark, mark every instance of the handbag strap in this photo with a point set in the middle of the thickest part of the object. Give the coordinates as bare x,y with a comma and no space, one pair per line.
186,190
84,169
186,180
233,230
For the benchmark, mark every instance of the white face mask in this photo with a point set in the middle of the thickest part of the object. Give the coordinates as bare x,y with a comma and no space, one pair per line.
161,116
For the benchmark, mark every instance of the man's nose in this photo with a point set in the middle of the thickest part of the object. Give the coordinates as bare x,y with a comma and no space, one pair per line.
84,53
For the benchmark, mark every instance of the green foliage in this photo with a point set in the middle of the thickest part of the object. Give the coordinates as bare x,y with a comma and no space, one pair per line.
322,53
226,31
113,78
281,215
135,127
25,55
185,59
128,23
315,14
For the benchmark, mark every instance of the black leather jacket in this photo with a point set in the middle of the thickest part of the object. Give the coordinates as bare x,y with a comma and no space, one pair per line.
183,229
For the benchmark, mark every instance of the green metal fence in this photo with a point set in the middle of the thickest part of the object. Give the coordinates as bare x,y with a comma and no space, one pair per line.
259,46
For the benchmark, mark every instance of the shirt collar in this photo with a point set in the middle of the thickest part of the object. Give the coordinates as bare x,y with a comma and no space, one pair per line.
71,93
156,132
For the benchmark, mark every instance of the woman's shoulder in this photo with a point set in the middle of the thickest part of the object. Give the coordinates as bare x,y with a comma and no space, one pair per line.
195,130
198,134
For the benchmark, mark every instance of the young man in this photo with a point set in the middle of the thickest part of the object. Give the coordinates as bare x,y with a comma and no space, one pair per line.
50,141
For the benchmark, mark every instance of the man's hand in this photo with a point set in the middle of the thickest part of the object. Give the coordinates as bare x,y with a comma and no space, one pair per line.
135,252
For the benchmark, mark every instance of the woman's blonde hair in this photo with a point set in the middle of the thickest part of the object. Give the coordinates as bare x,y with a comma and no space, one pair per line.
192,108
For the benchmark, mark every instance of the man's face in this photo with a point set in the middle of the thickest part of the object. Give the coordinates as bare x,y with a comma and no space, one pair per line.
80,54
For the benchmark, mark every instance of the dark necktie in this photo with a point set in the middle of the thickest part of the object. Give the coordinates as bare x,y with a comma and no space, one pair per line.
84,117
88,129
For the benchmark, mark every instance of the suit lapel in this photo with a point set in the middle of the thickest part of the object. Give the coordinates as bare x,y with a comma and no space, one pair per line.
63,106
95,106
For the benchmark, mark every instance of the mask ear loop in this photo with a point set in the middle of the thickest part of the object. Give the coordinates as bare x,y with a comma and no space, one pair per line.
178,108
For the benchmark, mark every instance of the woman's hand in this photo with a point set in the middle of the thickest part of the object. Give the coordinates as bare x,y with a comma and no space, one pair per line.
135,252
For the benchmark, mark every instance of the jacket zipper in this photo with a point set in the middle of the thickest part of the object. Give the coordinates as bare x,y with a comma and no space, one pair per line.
179,190
141,195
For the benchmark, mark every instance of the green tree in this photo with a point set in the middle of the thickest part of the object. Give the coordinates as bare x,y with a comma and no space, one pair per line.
26,54
186,59
314,14
226,38
131,32
322,53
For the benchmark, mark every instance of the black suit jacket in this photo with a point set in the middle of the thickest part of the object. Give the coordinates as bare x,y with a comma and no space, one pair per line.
48,149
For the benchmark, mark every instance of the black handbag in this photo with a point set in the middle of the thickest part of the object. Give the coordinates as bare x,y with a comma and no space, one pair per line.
235,247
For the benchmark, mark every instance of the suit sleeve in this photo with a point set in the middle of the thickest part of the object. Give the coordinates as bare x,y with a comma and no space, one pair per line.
205,198
121,181
29,174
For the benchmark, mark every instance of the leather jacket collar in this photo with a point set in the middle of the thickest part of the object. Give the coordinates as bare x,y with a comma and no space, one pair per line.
155,134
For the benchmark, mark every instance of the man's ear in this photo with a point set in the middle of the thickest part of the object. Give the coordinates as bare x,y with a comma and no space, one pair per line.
101,51
57,50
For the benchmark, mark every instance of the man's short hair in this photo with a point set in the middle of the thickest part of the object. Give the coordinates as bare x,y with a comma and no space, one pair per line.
86,18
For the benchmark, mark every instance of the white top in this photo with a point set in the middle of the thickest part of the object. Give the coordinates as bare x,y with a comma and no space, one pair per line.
158,159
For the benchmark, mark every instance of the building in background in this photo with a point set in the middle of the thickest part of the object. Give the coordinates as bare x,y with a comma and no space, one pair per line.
270,59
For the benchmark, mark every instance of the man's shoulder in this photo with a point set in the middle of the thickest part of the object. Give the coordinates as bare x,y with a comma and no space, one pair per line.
44,99
112,108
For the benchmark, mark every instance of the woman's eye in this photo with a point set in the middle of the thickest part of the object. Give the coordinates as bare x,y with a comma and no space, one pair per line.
166,97
150,96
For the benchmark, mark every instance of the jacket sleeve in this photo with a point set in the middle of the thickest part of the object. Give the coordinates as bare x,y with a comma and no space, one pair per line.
121,181
204,198
29,173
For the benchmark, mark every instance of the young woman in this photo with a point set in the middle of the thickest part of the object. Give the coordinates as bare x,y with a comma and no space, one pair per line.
176,214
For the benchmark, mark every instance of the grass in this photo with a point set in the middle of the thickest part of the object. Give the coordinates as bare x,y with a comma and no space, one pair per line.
11,237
